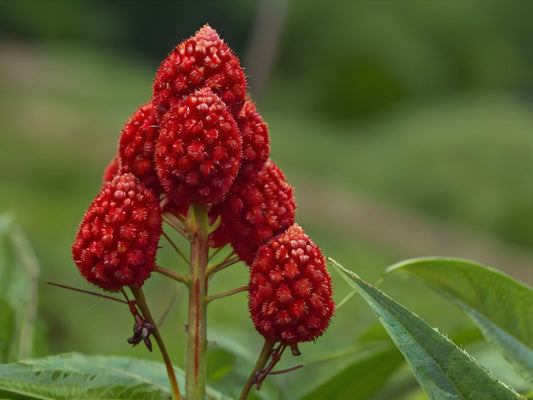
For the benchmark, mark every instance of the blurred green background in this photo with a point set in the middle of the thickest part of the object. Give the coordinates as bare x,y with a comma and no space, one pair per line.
406,129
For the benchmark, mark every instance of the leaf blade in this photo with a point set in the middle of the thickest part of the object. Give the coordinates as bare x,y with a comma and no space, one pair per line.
361,378
501,306
74,375
19,276
443,370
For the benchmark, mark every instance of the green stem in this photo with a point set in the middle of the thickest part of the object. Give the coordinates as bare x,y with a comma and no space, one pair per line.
259,366
197,226
227,293
175,223
176,248
172,274
223,264
143,306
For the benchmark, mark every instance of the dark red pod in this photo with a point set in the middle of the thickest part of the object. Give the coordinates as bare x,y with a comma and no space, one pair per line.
198,152
290,297
258,207
111,170
116,243
202,61
137,145
255,140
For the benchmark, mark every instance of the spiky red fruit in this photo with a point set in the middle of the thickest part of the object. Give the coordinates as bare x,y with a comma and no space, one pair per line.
199,150
111,170
137,144
258,207
202,61
117,240
290,298
255,140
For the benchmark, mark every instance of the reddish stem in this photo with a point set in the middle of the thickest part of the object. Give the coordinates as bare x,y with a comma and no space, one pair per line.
197,226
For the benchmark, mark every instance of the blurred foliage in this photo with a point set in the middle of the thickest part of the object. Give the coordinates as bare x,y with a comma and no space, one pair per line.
467,159
354,58
358,58
146,29
22,334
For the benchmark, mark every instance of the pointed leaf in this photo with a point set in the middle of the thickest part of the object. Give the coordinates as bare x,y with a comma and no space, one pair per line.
362,378
443,370
19,275
76,376
501,306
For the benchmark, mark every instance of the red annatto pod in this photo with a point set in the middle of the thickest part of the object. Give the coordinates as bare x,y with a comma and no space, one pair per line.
290,297
111,170
255,140
258,207
198,152
117,239
202,61
137,145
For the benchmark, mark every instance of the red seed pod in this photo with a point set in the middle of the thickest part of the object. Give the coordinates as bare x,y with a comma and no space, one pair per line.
111,170
255,140
290,297
137,145
117,239
258,207
198,151
202,61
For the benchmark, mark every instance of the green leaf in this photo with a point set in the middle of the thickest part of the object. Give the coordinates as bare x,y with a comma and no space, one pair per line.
19,275
7,323
443,370
220,362
362,378
77,376
501,307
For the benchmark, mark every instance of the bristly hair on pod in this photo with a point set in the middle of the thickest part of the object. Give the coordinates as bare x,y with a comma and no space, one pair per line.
258,207
111,170
202,61
255,139
290,296
117,240
198,152
137,144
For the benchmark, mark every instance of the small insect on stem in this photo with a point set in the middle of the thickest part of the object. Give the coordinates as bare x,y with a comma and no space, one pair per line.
141,329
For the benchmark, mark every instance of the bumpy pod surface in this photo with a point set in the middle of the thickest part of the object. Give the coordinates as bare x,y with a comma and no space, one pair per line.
198,151
137,145
258,207
202,61
111,170
117,239
255,140
290,298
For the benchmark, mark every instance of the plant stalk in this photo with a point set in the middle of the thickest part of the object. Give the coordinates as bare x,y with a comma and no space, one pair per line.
143,306
266,351
197,226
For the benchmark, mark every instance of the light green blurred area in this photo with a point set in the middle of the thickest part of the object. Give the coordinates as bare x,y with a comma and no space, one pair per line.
406,130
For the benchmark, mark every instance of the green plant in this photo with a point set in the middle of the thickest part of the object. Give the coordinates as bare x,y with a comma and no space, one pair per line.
196,158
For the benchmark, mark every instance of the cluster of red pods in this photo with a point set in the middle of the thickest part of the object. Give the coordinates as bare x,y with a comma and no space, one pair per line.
200,140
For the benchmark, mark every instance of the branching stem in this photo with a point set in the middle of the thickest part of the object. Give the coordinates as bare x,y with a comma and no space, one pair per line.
176,248
186,279
197,226
143,306
175,223
227,262
259,365
227,293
